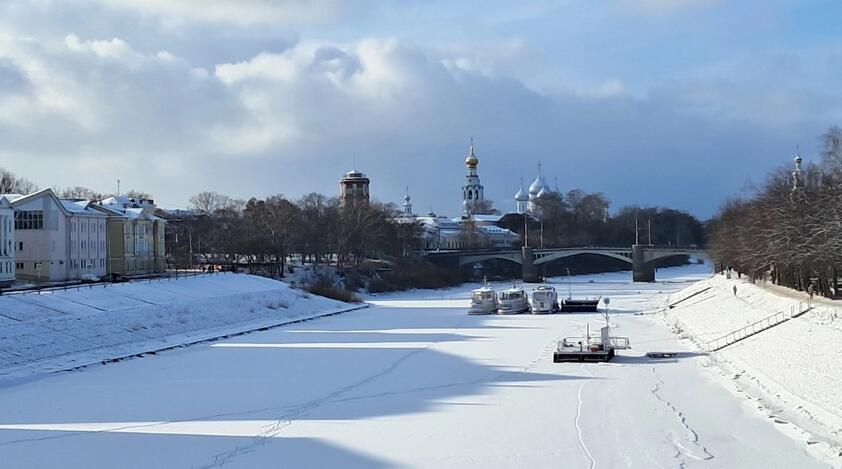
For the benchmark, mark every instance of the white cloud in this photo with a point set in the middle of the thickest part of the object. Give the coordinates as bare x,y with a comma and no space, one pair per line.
281,116
242,12
666,7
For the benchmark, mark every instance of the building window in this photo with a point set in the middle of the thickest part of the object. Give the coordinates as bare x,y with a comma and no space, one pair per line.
20,245
29,220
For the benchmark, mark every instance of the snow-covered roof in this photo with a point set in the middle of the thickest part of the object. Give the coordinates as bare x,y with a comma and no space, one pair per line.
487,218
490,229
12,197
128,202
80,207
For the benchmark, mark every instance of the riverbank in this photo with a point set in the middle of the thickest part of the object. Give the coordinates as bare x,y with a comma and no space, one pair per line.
59,330
791,373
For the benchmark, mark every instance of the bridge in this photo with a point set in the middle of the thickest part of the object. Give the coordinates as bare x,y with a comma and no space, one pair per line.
641,257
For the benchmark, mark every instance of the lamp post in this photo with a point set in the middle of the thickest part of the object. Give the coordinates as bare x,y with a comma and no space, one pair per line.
525,231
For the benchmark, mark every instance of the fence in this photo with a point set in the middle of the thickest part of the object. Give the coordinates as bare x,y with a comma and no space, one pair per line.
79,286
757,327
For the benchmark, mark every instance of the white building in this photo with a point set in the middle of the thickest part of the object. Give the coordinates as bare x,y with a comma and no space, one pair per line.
473,193
471,232
57,240
7,243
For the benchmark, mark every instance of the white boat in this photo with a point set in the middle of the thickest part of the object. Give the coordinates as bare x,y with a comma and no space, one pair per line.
513,301
544,300
483,301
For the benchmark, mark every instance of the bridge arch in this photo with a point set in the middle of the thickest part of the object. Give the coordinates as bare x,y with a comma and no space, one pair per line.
541,258
515,257
657,256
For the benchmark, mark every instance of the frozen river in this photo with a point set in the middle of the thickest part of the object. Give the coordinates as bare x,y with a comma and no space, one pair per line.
411,381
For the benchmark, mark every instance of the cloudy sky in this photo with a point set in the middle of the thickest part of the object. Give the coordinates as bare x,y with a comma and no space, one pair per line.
664,102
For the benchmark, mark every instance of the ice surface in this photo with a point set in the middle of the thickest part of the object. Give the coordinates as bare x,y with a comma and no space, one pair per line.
411,382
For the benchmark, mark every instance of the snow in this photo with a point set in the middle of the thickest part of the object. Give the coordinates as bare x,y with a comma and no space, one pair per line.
58,329
412,381
792,371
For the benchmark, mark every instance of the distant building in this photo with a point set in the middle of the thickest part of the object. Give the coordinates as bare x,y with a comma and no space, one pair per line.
797,179
353,186
135,236
473,193
522,200
122,203
537,190
57,240
407,206
7,243
471,232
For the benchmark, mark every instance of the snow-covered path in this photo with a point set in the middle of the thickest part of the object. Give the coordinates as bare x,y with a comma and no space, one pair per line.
412,381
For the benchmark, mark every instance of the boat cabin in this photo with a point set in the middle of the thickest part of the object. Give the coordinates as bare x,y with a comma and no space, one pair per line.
513,301
483,301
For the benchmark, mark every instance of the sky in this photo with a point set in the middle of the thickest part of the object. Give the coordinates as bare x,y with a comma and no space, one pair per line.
676,103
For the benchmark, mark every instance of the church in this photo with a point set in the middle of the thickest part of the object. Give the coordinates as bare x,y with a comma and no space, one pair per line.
477,227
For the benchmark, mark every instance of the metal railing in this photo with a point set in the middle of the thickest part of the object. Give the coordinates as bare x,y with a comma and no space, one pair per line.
756,327
37,290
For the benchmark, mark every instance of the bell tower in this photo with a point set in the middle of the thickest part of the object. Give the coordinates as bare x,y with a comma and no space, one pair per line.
472,190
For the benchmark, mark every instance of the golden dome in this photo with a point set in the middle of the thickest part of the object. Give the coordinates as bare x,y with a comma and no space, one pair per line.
472,159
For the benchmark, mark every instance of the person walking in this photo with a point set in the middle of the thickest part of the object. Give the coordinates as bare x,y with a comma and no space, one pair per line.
735,290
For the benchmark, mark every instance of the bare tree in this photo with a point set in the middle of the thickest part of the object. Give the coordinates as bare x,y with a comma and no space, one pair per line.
136,194
11,184
211,202
78,192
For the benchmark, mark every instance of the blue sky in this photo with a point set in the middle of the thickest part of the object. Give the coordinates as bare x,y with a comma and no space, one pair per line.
677,103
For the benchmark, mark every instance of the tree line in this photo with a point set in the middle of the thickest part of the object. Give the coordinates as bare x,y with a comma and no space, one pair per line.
790,230
578,218
270,231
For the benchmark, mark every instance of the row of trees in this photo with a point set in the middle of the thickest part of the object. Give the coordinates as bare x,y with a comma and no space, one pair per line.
269,231
790,230
578,218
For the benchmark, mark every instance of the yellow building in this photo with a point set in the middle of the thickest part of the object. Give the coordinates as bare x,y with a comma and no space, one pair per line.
135,237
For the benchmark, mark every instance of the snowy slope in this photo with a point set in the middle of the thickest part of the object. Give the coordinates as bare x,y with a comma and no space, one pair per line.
64,329
793,371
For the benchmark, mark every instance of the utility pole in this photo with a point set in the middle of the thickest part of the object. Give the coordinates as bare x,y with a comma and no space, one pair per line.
649,231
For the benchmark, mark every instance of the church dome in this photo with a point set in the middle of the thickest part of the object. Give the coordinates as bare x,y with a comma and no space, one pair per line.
536,186
542,193
472,160
521,195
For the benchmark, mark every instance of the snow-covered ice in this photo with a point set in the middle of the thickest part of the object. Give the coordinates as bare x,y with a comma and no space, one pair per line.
411,382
